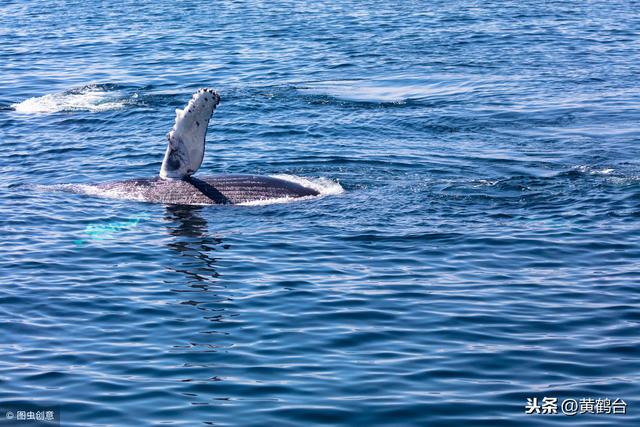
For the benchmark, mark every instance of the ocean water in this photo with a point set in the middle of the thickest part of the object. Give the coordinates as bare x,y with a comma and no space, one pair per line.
478,245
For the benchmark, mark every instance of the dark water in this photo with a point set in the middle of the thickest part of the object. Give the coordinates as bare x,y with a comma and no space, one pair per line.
485,249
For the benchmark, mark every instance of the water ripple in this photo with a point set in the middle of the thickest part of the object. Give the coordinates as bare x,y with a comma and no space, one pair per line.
484,250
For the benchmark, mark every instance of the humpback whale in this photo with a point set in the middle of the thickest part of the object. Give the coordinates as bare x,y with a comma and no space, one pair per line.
185,152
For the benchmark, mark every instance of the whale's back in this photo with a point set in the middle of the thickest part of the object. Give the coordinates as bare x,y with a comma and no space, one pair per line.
215,189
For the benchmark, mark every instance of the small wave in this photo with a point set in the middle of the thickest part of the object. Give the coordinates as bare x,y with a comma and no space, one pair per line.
324,186
93,98
391,90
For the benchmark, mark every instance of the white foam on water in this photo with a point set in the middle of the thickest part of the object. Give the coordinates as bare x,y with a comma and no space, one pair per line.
88,98
92,190
324,186
592,170
391,90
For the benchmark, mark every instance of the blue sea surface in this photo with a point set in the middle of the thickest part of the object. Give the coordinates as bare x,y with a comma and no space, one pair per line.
485,249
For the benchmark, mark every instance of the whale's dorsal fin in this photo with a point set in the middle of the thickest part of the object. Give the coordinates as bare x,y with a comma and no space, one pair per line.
186,138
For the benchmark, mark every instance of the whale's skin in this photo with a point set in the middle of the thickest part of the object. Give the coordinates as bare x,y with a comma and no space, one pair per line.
209,190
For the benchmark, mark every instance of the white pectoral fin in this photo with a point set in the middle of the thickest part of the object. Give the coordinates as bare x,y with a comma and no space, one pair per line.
185,151
173,142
